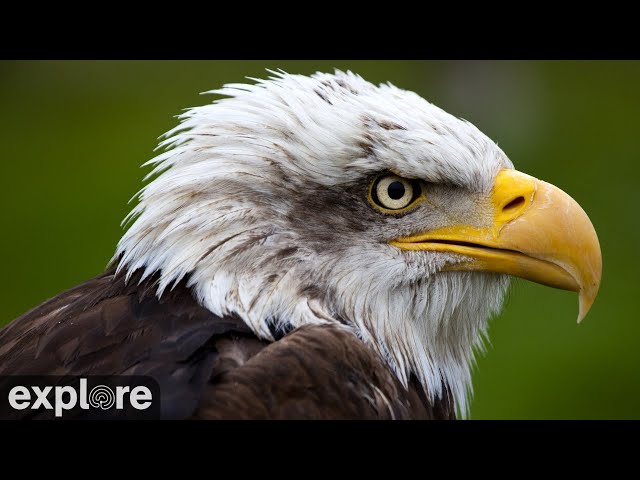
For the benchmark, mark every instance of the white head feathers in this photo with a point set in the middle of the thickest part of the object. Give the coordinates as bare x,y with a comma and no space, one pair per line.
261,200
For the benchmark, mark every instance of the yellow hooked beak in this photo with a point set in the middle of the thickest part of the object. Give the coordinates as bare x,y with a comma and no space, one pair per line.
539,233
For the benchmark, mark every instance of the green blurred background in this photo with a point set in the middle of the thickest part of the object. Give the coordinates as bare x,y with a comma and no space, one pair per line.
73,134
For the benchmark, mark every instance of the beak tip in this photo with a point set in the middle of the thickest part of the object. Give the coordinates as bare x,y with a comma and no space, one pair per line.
585,302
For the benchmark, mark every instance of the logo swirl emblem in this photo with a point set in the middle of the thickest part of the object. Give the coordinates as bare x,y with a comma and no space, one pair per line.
102,397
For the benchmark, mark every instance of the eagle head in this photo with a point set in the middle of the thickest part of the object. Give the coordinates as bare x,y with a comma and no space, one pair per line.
326,199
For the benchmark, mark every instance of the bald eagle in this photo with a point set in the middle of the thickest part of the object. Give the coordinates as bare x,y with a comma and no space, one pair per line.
313,247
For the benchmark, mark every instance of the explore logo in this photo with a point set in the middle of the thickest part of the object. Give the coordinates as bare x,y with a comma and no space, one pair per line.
88,397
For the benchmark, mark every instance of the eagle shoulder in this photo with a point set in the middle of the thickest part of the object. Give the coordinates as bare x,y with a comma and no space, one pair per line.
321,372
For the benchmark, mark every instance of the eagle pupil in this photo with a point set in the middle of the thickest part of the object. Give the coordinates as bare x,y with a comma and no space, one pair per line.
396,190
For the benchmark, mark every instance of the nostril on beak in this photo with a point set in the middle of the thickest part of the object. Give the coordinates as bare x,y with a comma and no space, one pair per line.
512,193
513,205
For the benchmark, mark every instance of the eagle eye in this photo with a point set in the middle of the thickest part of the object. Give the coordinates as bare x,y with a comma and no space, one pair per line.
393,193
